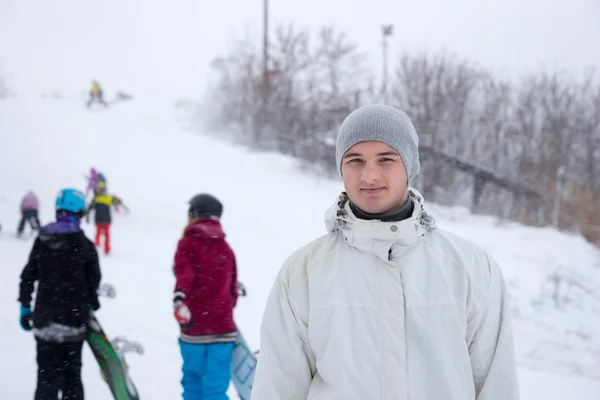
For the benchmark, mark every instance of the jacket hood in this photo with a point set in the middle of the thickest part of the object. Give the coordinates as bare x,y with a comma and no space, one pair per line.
206,229
375,236
54,235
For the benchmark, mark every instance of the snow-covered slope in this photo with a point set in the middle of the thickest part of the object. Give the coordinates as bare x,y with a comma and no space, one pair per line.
270,210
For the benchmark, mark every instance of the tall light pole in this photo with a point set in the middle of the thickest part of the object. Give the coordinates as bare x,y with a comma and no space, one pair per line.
387,31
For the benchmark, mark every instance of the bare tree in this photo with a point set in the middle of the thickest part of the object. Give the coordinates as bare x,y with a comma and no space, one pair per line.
527,150
438,92
313,83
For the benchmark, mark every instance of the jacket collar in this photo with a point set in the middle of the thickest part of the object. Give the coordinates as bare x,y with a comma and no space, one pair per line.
205,228
381,239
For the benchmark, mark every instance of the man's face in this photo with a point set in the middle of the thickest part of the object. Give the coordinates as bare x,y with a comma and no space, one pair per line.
375,177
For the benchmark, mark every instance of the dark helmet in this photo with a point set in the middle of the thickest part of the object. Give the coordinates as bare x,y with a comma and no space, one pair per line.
205,205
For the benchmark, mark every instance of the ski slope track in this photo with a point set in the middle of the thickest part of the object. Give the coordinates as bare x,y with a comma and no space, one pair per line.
271,209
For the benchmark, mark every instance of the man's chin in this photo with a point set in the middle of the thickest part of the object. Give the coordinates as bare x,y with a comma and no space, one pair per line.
373,207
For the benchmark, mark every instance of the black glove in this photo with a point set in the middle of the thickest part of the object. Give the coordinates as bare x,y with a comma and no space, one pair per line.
241,289
95,304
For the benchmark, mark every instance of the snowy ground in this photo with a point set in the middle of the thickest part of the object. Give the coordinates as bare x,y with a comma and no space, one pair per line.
270,210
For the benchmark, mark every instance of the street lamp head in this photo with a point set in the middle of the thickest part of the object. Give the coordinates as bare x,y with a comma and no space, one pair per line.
388,30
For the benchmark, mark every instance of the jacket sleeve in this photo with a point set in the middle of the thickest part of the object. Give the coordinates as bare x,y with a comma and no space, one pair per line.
93,276
29,276
184,269
234,280
89,185
286,364
91,206
491,348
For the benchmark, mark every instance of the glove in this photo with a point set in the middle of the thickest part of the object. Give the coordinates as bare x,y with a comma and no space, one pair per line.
95,304
182,314
241,289
25,319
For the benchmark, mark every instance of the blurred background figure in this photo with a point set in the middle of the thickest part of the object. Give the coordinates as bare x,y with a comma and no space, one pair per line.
29,213
93,180
101,205
96,95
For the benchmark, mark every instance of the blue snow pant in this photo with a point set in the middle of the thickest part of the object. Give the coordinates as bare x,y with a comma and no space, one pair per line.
206,370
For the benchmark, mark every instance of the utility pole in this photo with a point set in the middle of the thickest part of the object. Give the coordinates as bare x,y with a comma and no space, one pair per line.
387,31
261,116
265,40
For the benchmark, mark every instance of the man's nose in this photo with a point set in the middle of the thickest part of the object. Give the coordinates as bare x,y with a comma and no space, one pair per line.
370,173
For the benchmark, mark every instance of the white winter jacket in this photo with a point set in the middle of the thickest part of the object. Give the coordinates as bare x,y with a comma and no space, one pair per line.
394,311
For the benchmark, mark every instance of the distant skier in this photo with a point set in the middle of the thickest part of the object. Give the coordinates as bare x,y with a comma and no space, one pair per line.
96,95
29,213
65,265
101,204
93,180
205,295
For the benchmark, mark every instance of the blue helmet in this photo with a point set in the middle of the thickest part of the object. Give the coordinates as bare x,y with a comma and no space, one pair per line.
70,200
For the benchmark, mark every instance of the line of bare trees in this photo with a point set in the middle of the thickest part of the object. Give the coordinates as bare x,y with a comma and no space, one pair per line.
542,132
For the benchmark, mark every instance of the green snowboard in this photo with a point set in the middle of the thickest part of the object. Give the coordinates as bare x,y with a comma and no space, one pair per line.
111,360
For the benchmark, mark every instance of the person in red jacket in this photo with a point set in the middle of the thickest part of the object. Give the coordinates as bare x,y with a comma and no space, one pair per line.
205,295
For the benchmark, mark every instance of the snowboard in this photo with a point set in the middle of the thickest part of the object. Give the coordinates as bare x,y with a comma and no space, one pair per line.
110,355
244,361
243,366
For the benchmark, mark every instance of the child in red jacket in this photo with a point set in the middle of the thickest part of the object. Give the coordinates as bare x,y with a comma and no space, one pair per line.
204,298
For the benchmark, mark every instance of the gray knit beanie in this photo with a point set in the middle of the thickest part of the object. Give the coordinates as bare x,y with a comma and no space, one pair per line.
385,124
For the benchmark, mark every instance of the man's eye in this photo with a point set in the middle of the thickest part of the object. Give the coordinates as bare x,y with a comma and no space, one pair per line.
355,160
387,159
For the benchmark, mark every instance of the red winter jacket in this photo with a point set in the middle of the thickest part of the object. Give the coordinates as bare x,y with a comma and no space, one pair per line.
206,278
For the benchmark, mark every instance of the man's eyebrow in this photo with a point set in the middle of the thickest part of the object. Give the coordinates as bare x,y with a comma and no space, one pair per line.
385,153
349,155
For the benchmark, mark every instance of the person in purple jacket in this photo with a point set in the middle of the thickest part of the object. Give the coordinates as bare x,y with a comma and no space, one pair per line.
29,213
93,180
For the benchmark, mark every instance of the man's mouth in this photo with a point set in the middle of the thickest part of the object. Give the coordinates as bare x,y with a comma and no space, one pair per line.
374,190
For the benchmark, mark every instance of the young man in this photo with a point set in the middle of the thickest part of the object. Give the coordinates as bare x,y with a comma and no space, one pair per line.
65,265
204,298
29,213
101,205
385,306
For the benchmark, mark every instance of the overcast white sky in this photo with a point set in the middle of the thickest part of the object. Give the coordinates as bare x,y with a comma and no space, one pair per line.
163,47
